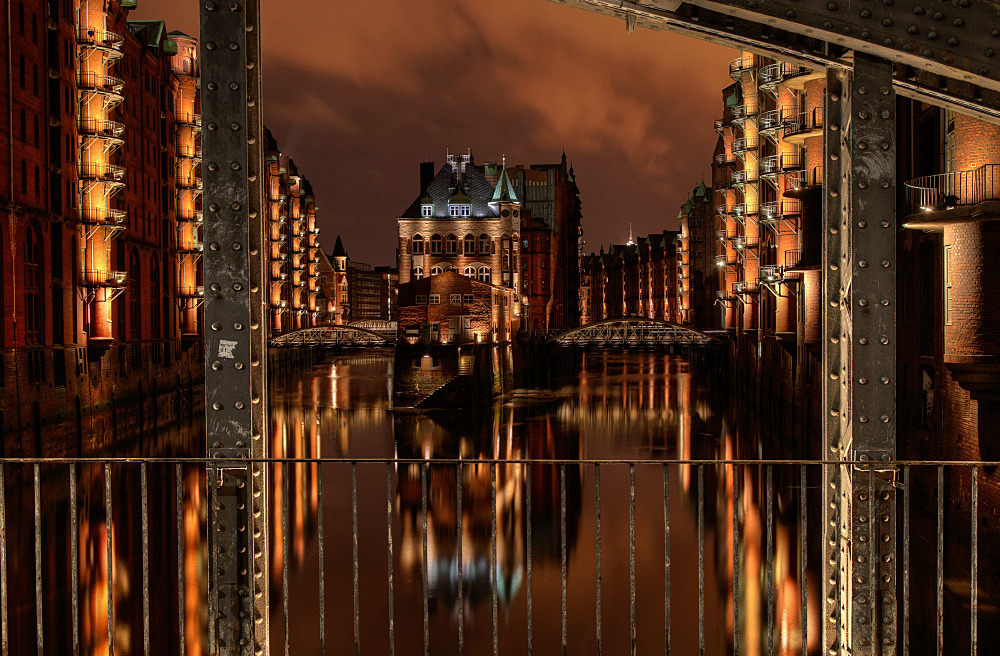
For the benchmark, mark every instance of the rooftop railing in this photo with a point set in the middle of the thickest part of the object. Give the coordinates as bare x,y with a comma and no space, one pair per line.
956,189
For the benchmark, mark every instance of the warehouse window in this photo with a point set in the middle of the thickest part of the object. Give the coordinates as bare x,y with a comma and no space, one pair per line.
947,285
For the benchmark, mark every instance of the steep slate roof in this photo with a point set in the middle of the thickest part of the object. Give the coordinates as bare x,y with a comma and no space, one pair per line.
446,185
338,248
505,190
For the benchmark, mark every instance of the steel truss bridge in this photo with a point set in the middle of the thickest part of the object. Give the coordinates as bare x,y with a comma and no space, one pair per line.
632,332
332,336
943,53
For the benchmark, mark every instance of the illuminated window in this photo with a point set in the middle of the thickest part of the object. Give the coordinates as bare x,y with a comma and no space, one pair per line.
470,271
470,245
436,270
457,210
418,273
434,299
484,244
426,210
947,285
418,245
484,274
455,299
451,245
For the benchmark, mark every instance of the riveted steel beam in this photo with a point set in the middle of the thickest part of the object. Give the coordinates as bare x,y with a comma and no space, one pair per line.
945,55
235,343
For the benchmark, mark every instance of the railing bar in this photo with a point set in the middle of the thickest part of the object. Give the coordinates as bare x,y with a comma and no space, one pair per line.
666,559
320,556
736,562
109,524
770,562
144,488
701,560
354,538
803,559
179,503
423,530
974,564
38,558
461,562
597,551
906,561
74,558
940,560
284,552
562,552
631,554
873,558
493,554
388,527
527,503
212,478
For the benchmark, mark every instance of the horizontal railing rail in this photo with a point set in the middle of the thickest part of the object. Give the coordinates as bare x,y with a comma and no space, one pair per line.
955,189
466,537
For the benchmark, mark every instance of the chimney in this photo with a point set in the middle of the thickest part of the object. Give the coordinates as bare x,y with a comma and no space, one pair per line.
426,174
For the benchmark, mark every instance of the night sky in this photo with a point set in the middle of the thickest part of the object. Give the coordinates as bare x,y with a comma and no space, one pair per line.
358,93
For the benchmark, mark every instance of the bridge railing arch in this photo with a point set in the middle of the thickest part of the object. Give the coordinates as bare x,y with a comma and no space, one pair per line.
332,336
633,331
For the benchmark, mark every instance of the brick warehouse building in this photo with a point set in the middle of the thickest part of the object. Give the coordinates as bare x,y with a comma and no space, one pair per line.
101,283
362,292
768,175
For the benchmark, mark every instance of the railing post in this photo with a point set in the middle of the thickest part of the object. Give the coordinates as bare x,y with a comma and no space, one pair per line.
235,335
859,392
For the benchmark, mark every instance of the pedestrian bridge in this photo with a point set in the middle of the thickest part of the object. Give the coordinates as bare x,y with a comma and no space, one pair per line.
333,336
632,331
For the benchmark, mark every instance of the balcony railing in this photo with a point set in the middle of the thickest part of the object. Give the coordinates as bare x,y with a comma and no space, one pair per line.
187,118
769,274
103,278
102,216
722,209
742,176
89,36
100,128
777,209
793,258
744,144
189,291
189,152
740,64
100,172
188,245
742,209
770,120
189,181
957,189
804,122
195,216
99,83
741,112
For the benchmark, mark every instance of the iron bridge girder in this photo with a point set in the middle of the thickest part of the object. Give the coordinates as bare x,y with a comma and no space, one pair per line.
332,336
632,332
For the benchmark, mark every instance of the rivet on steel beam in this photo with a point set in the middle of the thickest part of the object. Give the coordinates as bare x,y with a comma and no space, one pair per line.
863,263
834,340
238,326
239,405
863,302
862,185
863,380
216,365
863,341
210,46
239,366
886,558
884,224
885,302
234,86
834,127
885,419
864,113
834,303
932,35
234,126
927,52
827,24
834,375
834,267
234,46
884,380
834,413
885,144
237,246
212,166
885,184
215,287
885,537
864,420
216,406
235,166
912,29
790,13
216,326
863,495
213,126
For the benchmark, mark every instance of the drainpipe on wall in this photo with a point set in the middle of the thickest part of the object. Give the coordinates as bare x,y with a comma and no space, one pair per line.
11,217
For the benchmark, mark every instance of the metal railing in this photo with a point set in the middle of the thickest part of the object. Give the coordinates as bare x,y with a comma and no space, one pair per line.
804,122
104,278
101,171
955,189
100,128
742,112
743,63
100,83
744,144
793,258
103,216
89,36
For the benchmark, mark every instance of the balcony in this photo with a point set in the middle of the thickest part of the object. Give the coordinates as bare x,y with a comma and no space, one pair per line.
279,305
803,125
770,274
743,209
188,291
775,210
190,216
770,120
94,82
101,172
722,209
740,243
188,119
280,276
102,278
793,258
742,176
100,128
723,261
189,181
722,236
743,112
189,246
744,144
280,257
188,152
94,38
741,64
949,191
102,216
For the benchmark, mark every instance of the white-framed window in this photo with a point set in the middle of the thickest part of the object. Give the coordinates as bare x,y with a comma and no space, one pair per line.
458,209
456,299
484,274
418,245
418,273
469,271
468,299
426,210
421,299
434,299
484,244
436,270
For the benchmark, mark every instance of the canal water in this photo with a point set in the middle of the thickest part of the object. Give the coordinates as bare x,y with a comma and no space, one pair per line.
412,537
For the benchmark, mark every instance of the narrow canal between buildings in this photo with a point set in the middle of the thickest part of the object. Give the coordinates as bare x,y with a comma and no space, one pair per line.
565,572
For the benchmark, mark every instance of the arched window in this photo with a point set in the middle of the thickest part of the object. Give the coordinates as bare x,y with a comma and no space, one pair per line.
470,244
187,67
469,271
134,293
24,125
154,300
435,270
32,285
24,177
20,18
484,244
37,182
484,274
436,245
418,273
451,245
34,29
505,242
418,245
36,131
34,79
20,71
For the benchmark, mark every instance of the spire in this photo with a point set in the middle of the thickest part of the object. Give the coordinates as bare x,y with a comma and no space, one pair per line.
631,241
505,190
338,248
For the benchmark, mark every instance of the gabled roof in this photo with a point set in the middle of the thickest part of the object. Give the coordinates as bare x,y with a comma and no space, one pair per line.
504,192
